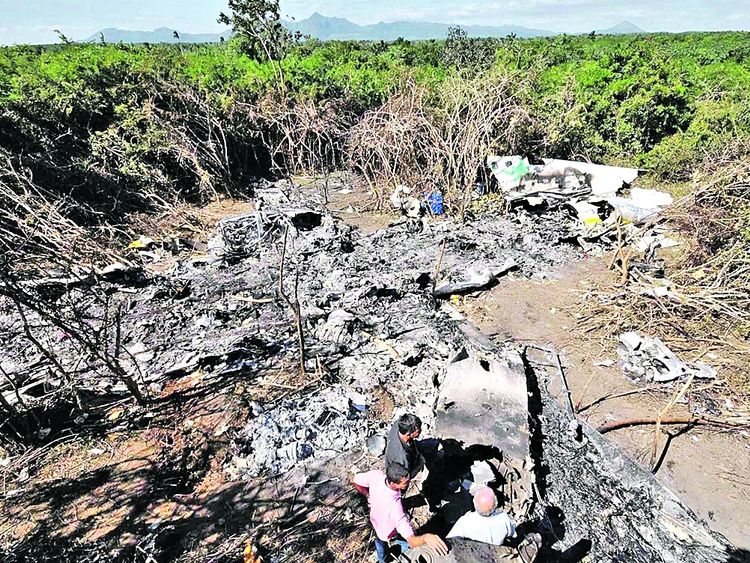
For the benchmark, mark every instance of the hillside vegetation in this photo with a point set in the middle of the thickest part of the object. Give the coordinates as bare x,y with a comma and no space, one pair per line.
193,119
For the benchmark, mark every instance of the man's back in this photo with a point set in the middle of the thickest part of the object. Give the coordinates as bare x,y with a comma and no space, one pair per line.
493,529
386,511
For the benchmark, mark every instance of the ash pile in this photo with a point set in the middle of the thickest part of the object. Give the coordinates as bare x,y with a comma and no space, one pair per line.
371,309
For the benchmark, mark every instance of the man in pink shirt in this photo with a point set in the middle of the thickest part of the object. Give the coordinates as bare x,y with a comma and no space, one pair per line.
387,516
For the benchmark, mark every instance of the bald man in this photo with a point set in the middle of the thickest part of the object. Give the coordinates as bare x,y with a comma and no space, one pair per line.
486,523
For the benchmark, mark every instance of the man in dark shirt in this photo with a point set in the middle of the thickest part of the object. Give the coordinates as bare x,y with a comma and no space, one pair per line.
402,444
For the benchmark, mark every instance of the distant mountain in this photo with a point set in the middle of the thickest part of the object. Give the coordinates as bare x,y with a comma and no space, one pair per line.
624,28
161,35
325,28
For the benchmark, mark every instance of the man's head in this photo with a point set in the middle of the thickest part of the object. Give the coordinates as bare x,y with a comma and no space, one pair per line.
397,476
410,427
485,501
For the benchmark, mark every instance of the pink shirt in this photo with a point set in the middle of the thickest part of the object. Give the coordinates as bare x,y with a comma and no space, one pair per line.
386,511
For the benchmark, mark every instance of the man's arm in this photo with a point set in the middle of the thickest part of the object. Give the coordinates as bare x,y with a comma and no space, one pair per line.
430,540
403,527
361,482
360,489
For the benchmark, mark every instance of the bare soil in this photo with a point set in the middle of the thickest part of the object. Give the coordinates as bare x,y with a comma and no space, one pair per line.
164,484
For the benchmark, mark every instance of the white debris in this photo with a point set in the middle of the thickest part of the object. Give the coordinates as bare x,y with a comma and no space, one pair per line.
376,444
591,189
587,212
650,358
654,240
338,327
650,198
558,179
641,205
603,179
357,401
402,200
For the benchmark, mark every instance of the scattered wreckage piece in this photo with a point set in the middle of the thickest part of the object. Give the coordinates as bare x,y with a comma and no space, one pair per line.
591,191
315,426
369,309
642,205
490,388
481,416
649,358
403,201
476,278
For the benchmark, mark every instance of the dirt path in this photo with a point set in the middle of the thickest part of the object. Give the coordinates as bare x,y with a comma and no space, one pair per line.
707,469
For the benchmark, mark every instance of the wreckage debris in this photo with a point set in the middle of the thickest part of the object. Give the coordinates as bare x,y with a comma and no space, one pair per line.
557,179
403,201
313,426
649,358
591,191
476,278
605,500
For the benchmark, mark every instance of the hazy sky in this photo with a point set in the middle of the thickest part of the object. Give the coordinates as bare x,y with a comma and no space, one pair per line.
33,21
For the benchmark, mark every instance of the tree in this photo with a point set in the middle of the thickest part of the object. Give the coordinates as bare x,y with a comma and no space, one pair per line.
176,37
258,26
464,52
64,39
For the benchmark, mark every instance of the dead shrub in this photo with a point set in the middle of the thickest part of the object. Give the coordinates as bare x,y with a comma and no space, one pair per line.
439,140
304,136
47,264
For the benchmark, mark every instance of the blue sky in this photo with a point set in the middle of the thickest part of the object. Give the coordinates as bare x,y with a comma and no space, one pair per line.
35,20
